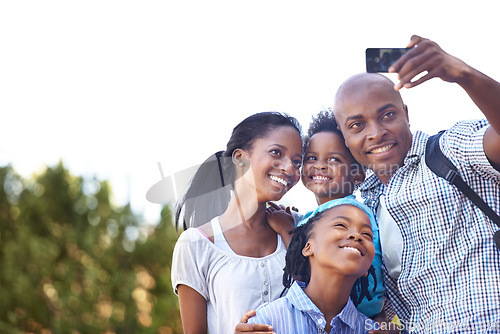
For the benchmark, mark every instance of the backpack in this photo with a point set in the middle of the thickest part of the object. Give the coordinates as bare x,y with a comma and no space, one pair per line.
443,167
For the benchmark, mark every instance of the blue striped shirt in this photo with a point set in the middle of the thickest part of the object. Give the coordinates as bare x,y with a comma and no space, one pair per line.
450,267
296,314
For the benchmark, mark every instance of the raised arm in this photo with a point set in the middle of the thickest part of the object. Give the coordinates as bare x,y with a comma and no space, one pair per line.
426,55
281,221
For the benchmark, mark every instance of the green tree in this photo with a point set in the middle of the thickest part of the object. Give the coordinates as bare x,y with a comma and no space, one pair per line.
70,265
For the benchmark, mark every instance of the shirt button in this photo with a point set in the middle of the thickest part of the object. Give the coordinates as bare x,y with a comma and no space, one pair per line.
320,321
265,274
266,283
262,264
265,293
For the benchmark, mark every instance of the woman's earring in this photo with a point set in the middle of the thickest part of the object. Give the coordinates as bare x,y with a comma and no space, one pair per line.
241,164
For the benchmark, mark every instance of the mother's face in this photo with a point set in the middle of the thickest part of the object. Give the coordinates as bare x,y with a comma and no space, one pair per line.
272,165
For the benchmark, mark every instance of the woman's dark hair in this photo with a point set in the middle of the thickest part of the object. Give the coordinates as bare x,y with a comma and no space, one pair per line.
209,193
298,267
324,121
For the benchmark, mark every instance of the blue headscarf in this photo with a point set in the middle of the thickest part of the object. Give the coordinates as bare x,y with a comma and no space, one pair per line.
348,200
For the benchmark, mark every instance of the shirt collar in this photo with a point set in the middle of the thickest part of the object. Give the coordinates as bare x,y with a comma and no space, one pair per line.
348,315
298,298
417,149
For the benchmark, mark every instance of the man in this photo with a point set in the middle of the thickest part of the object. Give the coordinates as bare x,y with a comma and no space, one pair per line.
442,266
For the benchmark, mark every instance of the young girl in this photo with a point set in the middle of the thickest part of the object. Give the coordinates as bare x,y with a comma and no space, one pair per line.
328,254
235,260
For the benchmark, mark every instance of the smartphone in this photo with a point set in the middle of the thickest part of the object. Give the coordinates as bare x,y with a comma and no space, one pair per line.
379,60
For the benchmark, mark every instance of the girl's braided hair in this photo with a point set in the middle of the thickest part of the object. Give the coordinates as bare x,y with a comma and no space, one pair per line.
298,268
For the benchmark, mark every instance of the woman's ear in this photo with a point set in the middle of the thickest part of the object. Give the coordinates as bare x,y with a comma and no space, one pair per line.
307,251
237,157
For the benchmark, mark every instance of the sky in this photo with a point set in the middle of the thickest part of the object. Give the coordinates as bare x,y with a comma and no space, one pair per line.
118,89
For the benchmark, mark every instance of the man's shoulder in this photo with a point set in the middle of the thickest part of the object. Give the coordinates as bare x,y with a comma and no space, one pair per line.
463,130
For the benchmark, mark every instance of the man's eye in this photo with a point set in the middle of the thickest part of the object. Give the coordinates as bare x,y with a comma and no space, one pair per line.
297,163
355,125
389,114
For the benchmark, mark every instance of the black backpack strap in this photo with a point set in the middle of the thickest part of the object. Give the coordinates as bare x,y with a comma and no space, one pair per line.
443,167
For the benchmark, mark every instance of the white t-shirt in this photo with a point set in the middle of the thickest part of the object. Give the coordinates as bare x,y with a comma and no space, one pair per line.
391,240
231,283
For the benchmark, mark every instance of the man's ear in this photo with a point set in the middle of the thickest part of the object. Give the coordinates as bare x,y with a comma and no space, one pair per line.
307,251
405,107
358,175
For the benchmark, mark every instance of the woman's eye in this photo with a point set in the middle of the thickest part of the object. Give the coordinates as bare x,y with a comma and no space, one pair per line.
276,152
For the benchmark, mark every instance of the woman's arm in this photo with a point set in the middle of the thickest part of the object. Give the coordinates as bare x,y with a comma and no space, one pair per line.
193,310
244,327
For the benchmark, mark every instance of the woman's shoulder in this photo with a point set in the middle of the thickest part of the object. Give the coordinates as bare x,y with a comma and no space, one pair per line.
192,234
207,231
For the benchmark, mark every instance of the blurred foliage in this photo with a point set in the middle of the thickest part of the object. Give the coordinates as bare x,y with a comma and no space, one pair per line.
72,262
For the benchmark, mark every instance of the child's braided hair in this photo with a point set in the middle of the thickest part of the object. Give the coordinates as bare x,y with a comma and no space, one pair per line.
298,268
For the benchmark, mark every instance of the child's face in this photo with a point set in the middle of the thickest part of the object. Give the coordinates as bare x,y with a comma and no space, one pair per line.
342,240
329,170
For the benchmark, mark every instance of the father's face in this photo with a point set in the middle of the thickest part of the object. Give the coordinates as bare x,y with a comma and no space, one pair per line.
374,122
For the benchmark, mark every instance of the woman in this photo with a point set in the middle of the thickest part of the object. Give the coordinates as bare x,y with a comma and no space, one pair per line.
235,260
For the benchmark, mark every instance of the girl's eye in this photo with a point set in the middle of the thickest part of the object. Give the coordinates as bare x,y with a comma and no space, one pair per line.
342,225
334,159
310,158
368,235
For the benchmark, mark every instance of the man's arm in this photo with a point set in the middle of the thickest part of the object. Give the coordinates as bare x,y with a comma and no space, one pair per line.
426,55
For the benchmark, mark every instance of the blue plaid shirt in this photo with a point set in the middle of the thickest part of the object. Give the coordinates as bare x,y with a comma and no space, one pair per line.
450,270
296,314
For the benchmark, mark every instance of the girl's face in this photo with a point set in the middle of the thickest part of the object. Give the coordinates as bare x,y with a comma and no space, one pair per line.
342,240
274,163
329,169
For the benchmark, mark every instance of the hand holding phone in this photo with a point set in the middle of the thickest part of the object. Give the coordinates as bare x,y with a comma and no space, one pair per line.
380,59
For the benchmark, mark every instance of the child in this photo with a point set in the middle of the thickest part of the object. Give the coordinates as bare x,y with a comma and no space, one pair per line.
329,252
